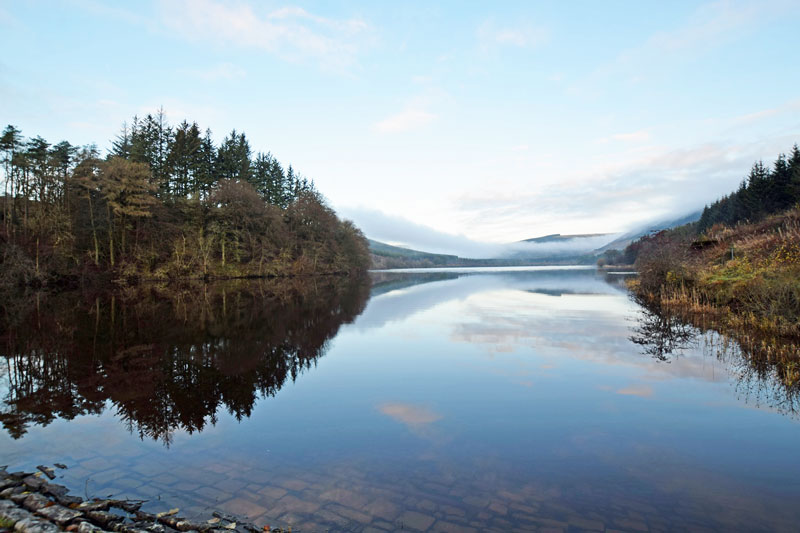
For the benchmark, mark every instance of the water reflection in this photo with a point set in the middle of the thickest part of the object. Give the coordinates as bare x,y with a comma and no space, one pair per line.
758,379
457,401
165,360
663,336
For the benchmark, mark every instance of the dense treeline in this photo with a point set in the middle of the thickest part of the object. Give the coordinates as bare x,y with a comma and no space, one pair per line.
763,192
165,202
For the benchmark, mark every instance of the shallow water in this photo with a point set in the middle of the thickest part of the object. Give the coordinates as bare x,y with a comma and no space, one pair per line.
446,400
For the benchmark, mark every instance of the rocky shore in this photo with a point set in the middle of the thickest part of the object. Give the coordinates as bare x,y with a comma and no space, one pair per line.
30,503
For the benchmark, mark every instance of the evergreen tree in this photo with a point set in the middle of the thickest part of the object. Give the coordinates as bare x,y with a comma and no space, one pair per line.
183,158
121,147
204,172
233,158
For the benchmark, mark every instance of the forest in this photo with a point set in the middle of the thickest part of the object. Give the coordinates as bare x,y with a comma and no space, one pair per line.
763,192
164,203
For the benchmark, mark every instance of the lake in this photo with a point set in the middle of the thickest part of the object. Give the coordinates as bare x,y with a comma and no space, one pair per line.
518,399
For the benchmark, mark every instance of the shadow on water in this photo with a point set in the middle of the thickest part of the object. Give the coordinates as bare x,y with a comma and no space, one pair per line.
166,360
758,379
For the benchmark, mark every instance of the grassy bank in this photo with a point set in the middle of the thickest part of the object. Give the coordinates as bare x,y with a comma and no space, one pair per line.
743,281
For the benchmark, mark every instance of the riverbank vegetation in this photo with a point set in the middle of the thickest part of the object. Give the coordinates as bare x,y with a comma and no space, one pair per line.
164,203
737,269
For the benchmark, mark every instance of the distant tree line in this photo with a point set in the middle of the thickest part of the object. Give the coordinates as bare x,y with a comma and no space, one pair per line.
764,191
164,202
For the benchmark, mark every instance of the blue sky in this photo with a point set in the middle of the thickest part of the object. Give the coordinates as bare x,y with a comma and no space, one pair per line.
492,121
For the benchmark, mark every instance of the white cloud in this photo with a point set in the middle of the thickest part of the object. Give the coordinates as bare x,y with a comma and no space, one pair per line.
521,36
291,33
634,136
710,25
657,183
222,71
407,120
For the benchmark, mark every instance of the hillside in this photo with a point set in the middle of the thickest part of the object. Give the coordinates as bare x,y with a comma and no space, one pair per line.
385,256
740,277
557,237
627,238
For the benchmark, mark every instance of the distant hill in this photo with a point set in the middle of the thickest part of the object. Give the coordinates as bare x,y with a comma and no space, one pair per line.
624,240
388,256
557,237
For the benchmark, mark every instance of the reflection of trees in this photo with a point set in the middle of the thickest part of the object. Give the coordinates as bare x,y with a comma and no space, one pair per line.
167,361
383,282
759,378
759,381
662,335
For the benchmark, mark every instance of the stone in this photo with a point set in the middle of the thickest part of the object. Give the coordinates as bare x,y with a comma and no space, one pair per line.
18,497
331,518
452,510
104,518
11,512
498,508
8,482
59,514
47,471
382,509
345,497
475,501
87,527
294,504
33,482
528,509
293,484
35,525
231,485
244,507
583,523
350,514
415,520
631,524
449,527
427,505
36,501
95,505
213,494
272,493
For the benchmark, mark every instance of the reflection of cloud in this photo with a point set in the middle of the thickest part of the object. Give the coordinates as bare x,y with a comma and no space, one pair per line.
636,390
413,416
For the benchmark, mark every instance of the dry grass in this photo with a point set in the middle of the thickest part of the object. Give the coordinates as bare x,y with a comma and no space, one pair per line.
747,287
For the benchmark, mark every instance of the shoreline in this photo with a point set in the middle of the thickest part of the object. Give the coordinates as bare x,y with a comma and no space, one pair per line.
29,503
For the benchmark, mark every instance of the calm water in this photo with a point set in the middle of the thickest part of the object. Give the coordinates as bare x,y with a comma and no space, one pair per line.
444,400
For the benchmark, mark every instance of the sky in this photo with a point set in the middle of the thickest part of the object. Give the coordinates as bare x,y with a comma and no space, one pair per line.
447,124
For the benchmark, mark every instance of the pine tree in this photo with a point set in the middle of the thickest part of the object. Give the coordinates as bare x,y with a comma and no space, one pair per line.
204,171
121,146
183,154
233,158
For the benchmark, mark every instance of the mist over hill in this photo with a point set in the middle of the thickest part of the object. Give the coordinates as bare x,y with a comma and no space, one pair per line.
549,249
